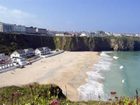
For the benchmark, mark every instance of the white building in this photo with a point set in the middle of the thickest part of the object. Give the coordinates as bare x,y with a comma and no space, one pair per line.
4,27
108,33
18,54
19,61
117,34
84,34
42,51
60,34
137,35
41,30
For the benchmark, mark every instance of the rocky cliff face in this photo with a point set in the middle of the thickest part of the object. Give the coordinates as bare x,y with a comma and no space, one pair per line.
98,43
11,42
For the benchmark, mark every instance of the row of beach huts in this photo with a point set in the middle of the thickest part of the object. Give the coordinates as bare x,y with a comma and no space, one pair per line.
25,53
22,57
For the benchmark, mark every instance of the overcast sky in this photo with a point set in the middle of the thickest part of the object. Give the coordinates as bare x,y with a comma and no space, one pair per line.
74,15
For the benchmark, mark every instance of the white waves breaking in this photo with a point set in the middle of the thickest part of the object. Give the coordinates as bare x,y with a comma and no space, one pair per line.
115,57
94,86
123,81
121,67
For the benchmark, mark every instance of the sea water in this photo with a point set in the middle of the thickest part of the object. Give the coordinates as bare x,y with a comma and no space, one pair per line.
115,71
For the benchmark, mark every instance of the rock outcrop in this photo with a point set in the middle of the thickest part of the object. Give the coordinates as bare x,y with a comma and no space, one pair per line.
11,42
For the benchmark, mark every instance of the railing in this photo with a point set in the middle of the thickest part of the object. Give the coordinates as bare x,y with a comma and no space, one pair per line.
54,53
6,67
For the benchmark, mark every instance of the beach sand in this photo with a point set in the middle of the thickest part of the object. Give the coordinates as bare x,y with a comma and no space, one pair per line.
67,70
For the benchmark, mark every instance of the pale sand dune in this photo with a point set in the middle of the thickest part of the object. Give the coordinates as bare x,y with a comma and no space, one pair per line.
67,70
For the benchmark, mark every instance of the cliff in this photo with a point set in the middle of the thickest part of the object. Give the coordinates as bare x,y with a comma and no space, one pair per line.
11,42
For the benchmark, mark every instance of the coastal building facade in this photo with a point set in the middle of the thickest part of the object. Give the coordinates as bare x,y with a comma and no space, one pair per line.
59,34
1,27
19,28
42,51
31,30
19,61
13,28
51,33
29,52
8,28
18,54
82,34
41,30
4,58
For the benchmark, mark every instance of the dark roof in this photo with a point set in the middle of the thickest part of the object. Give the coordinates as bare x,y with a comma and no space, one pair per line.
20,51
43,48
29,49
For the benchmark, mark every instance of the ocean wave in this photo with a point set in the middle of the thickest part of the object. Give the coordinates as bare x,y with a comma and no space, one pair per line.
121,67
91,91
115,57
95,76
123,80
104,54
94,86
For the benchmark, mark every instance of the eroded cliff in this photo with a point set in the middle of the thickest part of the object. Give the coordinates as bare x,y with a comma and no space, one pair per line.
11,42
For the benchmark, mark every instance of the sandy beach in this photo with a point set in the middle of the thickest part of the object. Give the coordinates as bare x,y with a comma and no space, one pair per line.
67,70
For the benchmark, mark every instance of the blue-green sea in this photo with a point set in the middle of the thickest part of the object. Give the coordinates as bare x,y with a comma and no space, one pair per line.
115,71
124,74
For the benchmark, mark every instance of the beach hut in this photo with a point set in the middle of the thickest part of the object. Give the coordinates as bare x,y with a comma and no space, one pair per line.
18,54
29,52
42,51
19,61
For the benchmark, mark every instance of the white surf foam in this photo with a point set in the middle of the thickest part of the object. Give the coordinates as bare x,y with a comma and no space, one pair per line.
94,86
91,90
104,54
123,81
94,75
115,57
121,67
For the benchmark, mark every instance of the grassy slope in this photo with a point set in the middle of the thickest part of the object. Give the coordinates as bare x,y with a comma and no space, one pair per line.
35,94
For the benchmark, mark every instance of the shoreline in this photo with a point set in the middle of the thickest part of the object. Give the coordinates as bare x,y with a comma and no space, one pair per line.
67,70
